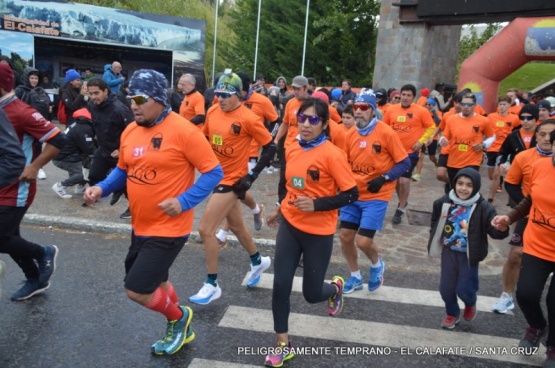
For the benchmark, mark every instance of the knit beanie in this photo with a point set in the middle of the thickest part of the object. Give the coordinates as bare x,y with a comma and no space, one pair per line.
533,110
6,77
149,82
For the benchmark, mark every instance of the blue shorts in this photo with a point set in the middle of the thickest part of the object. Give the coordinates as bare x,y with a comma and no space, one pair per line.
369,215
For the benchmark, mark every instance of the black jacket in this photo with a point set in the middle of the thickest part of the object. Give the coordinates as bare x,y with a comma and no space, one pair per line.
512,145
479,227
72,99
80,142
109,120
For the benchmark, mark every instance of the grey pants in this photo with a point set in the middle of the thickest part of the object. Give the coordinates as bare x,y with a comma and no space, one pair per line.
74,170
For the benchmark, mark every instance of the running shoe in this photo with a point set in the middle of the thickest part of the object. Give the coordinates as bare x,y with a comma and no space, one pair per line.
376,276
259,218
41,174
47,264
398,216
253,278
281,353
178,333
353,283
335,303
30,287
532,338
206,294
469,313
449,322
60,190
415,177
504,304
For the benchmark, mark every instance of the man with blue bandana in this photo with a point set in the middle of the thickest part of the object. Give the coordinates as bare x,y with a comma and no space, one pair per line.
377,159
230,126
158,156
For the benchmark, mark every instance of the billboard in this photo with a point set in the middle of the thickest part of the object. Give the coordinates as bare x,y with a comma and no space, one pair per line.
61,35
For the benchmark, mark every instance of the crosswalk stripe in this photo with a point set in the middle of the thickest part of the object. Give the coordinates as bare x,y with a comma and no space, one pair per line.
401,339
206,363
389,294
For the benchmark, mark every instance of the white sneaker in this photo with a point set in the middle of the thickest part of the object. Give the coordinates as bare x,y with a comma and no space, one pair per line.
41,175
79,189
253,278
61,191
268,170
206,294
504,304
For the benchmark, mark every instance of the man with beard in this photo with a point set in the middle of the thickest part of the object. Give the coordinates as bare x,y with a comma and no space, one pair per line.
158,156
377,159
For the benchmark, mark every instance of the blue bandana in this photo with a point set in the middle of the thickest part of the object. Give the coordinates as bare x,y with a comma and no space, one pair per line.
308,145
149,82
369,128
544,153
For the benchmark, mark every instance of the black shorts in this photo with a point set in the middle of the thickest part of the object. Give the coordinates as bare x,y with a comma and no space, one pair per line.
432,148
518,233
442,160
493,158
148,262
413,162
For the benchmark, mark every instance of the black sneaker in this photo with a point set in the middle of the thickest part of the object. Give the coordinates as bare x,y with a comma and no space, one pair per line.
116,197
532,338
30,287
126,214
398,216
47,264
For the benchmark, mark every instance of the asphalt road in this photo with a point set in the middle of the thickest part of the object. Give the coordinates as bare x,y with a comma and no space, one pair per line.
85,319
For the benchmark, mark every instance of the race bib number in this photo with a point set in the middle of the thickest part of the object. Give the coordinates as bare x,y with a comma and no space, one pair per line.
297,182
401,119
463,147
500,124
217,140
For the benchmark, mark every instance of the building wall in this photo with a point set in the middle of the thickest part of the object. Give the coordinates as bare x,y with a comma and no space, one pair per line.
413,52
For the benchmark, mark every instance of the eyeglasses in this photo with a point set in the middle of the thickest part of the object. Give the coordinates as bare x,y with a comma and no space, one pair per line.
312,119
139,99
429,105
361,107
224,95
396,98
526,117
467,104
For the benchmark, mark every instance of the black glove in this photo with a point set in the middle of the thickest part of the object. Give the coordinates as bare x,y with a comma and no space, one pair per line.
243,184
376,184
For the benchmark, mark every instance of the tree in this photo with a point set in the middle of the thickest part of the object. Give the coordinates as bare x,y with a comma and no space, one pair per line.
340,43
472,42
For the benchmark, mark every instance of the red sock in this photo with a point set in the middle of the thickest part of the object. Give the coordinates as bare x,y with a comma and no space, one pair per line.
162,303
172,294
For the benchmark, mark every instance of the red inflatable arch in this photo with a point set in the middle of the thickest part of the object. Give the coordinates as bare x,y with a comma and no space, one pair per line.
523,40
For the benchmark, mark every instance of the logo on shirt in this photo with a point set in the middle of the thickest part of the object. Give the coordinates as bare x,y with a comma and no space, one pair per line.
377,147
409,115
249,106
547,221
155,142
142,175
236,128
475,128
313,174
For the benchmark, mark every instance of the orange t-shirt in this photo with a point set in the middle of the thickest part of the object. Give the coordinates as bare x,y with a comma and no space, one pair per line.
290,118
372,155
538,236
422,101
410,123
334,115
515,109
444,118
502,126
520,171
480,110
192,105
160,162
383,108
526,138
462,133
316,173
230,134
263,108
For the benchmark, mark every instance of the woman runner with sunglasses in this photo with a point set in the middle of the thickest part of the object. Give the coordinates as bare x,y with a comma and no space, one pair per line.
319,181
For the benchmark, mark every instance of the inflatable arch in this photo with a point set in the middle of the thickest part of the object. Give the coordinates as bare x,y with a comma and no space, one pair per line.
521,41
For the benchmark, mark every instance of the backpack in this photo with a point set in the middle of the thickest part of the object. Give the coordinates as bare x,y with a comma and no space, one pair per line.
38,99
62,113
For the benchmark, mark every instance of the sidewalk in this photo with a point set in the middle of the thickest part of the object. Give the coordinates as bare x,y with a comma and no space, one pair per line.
402,247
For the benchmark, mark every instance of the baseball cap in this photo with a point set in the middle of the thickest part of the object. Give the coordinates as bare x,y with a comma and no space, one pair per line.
299,81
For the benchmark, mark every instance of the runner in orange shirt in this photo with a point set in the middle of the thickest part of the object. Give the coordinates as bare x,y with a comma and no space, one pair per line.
538,258
467,134
430,147
381,101
503,124
230,126
377,158
319,182
192,106
158,156
516,105
264,109
544,109
424,93
518,183
415,126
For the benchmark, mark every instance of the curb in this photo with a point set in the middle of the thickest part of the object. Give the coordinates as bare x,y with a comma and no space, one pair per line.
70,223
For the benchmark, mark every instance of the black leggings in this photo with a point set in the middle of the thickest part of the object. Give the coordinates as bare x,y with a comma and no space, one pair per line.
316,250
534,272
23,252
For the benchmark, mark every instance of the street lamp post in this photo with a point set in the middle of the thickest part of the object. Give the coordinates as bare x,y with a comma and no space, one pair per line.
305,35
